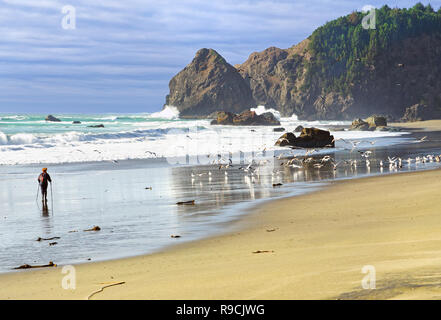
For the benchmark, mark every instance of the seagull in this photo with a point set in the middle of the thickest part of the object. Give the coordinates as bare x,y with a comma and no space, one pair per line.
423,139
366,154
152,153
326,159
335,165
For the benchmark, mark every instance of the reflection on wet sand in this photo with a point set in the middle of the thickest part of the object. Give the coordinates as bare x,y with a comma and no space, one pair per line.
135,201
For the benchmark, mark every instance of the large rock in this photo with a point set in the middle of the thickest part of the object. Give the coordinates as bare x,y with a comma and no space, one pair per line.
359,125
376,121
421,112
288,139
309,138
315,81
51,118
208,84
246,118
224,118
370,124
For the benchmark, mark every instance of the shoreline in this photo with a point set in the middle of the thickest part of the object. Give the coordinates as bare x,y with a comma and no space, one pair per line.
311,260
249,228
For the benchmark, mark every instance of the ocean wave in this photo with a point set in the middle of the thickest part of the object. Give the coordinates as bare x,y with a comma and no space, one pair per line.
74,136
262,109
168,113
15,117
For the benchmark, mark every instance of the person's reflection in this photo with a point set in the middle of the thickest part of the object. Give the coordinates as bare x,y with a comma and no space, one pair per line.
45,210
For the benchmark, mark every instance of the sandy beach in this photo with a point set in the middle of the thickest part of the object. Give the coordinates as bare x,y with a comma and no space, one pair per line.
315,252
312,246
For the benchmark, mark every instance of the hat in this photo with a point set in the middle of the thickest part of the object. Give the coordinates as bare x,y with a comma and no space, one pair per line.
44,169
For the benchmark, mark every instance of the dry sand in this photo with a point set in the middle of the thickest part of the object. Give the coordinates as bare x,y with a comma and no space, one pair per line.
318,246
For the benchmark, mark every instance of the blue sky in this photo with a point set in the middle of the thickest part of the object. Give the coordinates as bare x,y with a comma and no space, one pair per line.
123,53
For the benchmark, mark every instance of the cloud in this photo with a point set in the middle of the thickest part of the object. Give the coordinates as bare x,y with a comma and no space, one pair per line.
118,46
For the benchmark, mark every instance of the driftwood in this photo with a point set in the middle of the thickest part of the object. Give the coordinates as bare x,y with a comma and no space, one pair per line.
27,266
184,203
102,288
93,229
48,239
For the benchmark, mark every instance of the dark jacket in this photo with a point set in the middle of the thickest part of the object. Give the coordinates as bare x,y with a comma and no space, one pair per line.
43,179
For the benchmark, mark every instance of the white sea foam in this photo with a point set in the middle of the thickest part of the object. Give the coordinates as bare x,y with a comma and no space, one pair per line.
3,138
168,113
170,139
262,109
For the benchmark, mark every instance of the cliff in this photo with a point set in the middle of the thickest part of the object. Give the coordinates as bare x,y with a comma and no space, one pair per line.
341,71
209,84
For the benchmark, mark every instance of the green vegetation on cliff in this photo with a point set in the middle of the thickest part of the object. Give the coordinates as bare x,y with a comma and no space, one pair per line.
343,51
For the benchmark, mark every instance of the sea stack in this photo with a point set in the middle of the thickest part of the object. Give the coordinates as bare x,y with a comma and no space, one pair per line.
209,84
51,118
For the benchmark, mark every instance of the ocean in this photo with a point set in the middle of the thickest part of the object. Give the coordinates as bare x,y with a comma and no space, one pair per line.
29,139
127,177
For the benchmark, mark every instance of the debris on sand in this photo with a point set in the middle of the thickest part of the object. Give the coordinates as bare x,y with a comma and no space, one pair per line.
48,239
187,203
260,251
27,266
107,286
96,228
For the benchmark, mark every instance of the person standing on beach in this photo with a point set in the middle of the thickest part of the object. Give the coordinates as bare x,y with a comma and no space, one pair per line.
43,180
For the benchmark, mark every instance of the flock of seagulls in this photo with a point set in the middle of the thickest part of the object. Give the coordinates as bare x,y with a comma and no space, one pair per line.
309,162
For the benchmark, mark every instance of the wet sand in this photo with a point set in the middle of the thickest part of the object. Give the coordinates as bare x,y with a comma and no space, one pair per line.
313,247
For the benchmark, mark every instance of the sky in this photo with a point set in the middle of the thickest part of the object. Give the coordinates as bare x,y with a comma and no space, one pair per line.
121,54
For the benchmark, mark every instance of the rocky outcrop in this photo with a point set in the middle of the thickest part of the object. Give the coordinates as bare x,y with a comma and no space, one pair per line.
288,139
370,124
376,121
309,138
304,79
246,118
359,125
421,112
51,118
208,84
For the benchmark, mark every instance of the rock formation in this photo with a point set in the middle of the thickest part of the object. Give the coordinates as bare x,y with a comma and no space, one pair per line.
309,138
370,124
209,84
246,118
340,72
51,118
